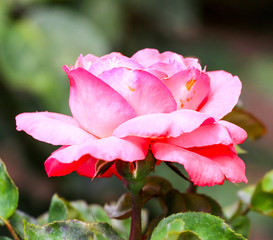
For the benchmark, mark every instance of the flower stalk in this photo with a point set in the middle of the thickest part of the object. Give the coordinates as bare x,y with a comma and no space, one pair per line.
134,177
136,232
10,229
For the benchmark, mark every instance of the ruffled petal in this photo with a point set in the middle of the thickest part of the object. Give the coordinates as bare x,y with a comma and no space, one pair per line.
143,91
55,168
163,124
53,128
85,61
237,133
95,105
224,94
190,88
149,56
192,62
146,57
107,149
205,166
213,134
113,61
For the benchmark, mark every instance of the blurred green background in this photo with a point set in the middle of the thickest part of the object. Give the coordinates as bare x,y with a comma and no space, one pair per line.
37,37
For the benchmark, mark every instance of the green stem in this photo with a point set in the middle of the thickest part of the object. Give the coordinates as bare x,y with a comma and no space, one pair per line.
246,211
135,233
10,228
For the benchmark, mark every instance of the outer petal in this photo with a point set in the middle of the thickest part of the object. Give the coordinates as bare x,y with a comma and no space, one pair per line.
163,125
56,168
85,61
108,149
192,62
148,57
97,107
53,128
113,61
213,134
143,91
237,134
190,88
224,94
205,166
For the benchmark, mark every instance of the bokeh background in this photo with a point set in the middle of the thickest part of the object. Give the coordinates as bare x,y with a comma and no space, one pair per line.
37,37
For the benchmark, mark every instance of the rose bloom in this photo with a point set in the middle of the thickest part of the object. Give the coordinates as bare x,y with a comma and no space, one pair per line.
124,107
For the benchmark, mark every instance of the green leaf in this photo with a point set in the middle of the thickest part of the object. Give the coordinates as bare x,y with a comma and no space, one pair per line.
70,230
90,213
262,198
216,209
182,202
185,235
233,210
175,202
262,202
202,203
171,230
17,222
196,203
267,182
188,235
246,193
43,219
254,127
58,210
206,226
120,209
5,238
241,224
8,193
160,182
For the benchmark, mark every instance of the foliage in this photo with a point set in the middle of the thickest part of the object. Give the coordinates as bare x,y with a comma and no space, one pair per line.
184,215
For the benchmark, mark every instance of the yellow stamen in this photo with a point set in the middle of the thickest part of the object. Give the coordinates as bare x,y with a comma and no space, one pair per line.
132,89
189,84
181,103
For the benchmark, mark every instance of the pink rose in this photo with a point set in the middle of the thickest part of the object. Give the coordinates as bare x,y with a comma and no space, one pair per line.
122,107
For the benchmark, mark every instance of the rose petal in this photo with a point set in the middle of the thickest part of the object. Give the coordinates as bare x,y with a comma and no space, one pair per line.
56,168
53,128
190,88
147,57
163,124
192,62
143,91
169,68
207,135
224,94
97,107
156,73
113,61
107,149
237,134
205,166
85,61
